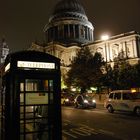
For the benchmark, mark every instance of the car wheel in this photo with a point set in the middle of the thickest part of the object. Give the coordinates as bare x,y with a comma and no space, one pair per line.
110,109
137,111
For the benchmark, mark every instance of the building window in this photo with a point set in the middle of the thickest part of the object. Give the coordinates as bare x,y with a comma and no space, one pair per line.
66,33
82,31
77,31
56,32
61,31
71,31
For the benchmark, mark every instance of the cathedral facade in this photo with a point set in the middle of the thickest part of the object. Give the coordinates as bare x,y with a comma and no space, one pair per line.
68,29
4,51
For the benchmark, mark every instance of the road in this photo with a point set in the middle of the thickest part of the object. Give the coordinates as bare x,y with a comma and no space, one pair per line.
98,124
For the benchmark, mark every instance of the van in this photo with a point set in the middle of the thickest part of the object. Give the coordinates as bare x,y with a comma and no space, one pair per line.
123,100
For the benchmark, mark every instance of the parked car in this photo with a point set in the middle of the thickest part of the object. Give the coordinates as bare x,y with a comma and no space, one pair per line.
123,100
84,101
67,99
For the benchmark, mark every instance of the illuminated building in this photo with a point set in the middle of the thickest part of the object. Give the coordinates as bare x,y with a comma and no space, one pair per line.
68,29
4,50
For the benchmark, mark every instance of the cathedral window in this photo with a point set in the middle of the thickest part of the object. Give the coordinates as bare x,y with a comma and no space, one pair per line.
100,50
71,31
66,31
76,31
61,31
55,32
82,29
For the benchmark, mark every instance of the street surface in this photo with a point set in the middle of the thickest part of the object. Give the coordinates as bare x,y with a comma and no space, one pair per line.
98,124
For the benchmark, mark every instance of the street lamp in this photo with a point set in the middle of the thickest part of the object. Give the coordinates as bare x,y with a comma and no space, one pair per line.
105,37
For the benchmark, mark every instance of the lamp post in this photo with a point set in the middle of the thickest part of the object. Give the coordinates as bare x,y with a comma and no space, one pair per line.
104,38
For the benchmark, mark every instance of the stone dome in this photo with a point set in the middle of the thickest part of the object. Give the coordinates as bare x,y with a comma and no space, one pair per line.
69,5
69,24
68,9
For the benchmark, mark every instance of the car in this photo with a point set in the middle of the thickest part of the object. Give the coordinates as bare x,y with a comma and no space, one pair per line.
123,100
67,99
84,101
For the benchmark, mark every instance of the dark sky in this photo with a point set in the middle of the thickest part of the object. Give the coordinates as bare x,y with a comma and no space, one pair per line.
22,21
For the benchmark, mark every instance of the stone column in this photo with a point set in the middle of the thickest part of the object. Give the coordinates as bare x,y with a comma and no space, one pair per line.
135,48
73,31
68,31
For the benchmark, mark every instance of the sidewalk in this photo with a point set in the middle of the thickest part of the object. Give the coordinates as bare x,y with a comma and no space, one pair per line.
100,100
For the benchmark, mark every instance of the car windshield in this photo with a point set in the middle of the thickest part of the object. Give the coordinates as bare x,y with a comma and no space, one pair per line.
136,95
87,97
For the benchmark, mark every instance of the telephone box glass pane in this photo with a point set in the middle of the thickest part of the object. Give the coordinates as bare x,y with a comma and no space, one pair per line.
36,97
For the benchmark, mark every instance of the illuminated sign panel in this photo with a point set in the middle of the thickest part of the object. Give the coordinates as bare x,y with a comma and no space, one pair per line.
7,67
35,98
40,65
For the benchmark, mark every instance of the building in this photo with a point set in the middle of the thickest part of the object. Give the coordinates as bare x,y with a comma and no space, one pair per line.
4,50
125,45
68,29
69,24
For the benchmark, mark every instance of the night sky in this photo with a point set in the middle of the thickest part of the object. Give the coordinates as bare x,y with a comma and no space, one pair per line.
22,21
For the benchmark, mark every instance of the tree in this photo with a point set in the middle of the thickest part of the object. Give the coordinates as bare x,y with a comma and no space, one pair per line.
85,70
137,67
122,75
130,76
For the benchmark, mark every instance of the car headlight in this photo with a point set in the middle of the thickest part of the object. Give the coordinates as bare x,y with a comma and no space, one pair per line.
93,101
85,101
67,100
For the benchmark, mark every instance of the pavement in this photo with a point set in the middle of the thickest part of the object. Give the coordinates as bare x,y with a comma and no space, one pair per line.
100,100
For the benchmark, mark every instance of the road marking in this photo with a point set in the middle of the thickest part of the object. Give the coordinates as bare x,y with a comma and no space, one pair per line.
91,130
67,133
65,124
79,132
106,132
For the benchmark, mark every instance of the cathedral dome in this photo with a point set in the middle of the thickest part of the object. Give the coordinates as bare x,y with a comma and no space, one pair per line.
68,9
69,24
69,5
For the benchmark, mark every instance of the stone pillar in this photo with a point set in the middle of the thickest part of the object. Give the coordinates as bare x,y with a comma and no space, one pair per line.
74,31
68,31
86,32
135,48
